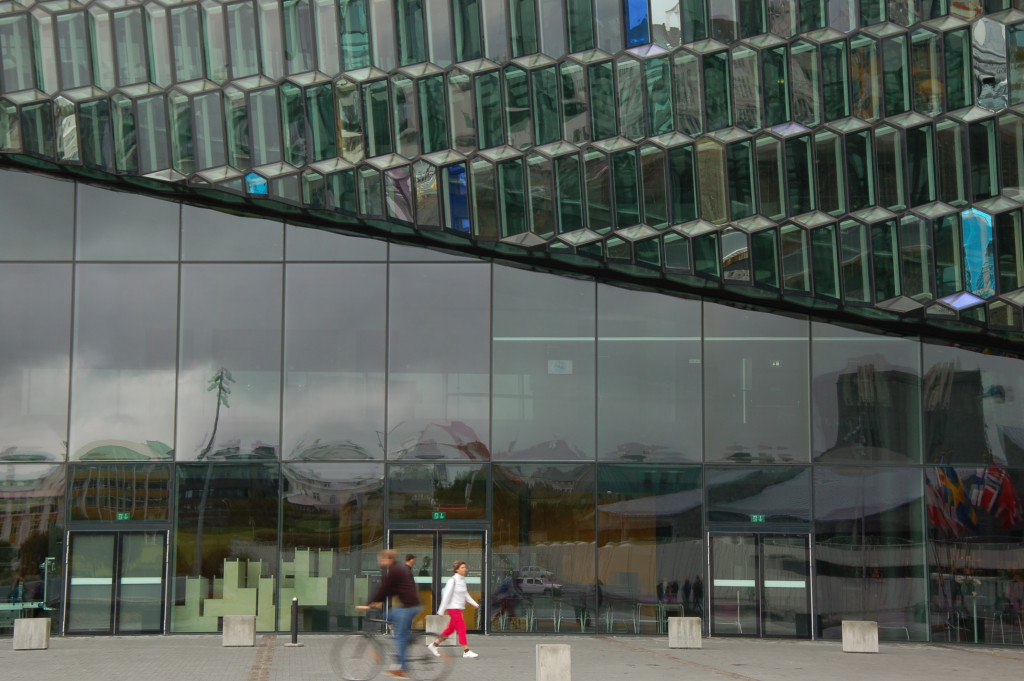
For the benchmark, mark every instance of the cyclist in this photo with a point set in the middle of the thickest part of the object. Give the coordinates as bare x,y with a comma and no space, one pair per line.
398,582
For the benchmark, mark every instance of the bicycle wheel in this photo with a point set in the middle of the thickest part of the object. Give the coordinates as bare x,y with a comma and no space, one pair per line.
424,666
358,657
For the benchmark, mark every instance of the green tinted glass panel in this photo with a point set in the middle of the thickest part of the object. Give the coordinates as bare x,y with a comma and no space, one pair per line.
511,197
242,43
984,172
123,120
677,252
541,194
377,116
602,100
517,108
371,192
491,131
652,162
805,83
921,162
182,158
771,177
957,52
860,170
354,31
883,252
407,134
705,256
795,256
433,122
209,127
575,103
74,64
569,192
864,78
469,42
713,181
410,38
952,180
151,135
686,83
1015,62
829,168
948,271
926,72
752,18
462,111
130,47
1008,246
599,212
580,25
546,122
872,12
854,257
658,81
775,68
320,127
94,133
896,75
915,257
823,254
835,80
186,40
740,162
746,88
292,123
694,16
892,166
236,112
485,200
632,123
763,248
812,15
298,35
627,189
800,175
682,193
717,95
524,27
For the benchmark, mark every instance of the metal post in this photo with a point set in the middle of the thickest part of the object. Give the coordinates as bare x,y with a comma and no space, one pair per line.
295,620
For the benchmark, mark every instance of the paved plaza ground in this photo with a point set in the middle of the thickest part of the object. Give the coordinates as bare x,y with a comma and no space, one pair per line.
510,658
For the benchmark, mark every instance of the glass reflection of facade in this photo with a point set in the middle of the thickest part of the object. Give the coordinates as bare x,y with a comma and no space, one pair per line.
643,308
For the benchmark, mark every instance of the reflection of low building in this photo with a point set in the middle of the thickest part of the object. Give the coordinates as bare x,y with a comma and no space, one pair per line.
124,450
30,503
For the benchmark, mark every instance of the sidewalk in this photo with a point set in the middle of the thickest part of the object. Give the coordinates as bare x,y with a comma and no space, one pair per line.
510,658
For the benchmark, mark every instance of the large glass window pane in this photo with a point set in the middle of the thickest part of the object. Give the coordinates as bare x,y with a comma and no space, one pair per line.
869,551
544,527
34,358
543,364
333,526
73,50
123,226
38,218
334,359
974,534
123,376
217,573
974,405
32,516
229,380
417,491
649,362
755,386
16,52
649,545
212,235
438,385
866,397
773,494
105,492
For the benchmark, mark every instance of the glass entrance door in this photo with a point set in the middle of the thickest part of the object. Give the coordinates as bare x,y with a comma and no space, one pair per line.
435,552
760,585
116,582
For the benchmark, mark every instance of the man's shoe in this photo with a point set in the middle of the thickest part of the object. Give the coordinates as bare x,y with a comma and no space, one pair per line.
398,673
432,647
469,653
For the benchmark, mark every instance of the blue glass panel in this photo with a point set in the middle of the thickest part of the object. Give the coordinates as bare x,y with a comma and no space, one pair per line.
457,195
979,259
638,25
255,184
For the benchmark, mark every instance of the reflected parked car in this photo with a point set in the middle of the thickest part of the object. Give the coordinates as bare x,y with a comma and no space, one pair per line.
537,585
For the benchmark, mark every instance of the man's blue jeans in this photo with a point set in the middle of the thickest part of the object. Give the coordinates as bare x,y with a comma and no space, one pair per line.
402,619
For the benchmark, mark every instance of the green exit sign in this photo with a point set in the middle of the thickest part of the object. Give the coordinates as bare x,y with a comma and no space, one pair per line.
124,516
440,515
757,518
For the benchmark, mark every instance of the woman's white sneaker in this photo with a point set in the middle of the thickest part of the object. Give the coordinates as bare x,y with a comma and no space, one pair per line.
469,653
432,647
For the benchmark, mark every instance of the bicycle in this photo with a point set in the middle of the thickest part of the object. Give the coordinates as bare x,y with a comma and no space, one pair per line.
361,656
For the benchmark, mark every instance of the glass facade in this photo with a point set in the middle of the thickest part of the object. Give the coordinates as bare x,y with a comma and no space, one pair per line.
644,309
196,437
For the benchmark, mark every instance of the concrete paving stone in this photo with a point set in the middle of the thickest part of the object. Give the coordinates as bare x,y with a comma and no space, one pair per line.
509,658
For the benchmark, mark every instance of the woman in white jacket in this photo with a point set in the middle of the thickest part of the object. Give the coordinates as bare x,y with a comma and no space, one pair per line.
453,602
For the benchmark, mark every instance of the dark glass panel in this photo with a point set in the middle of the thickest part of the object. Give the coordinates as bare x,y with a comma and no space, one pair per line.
1010,250
983,160
438,390
418,490
38,218
896,75
354,31
34,359
333,526
778,494
826,267
524,34
580,23
649,362
681,184
226,542
120,492
649,529
755,386
543,381
800,174
835,80
957,53
866,393
869,550
948,263
602,99
775,69
543,520
764,252
717,97
860,159
625,183
795,252
740,170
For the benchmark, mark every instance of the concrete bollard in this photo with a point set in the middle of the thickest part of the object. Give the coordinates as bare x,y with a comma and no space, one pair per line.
860,636
32,633
435,625
684,632
239,631
553,662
